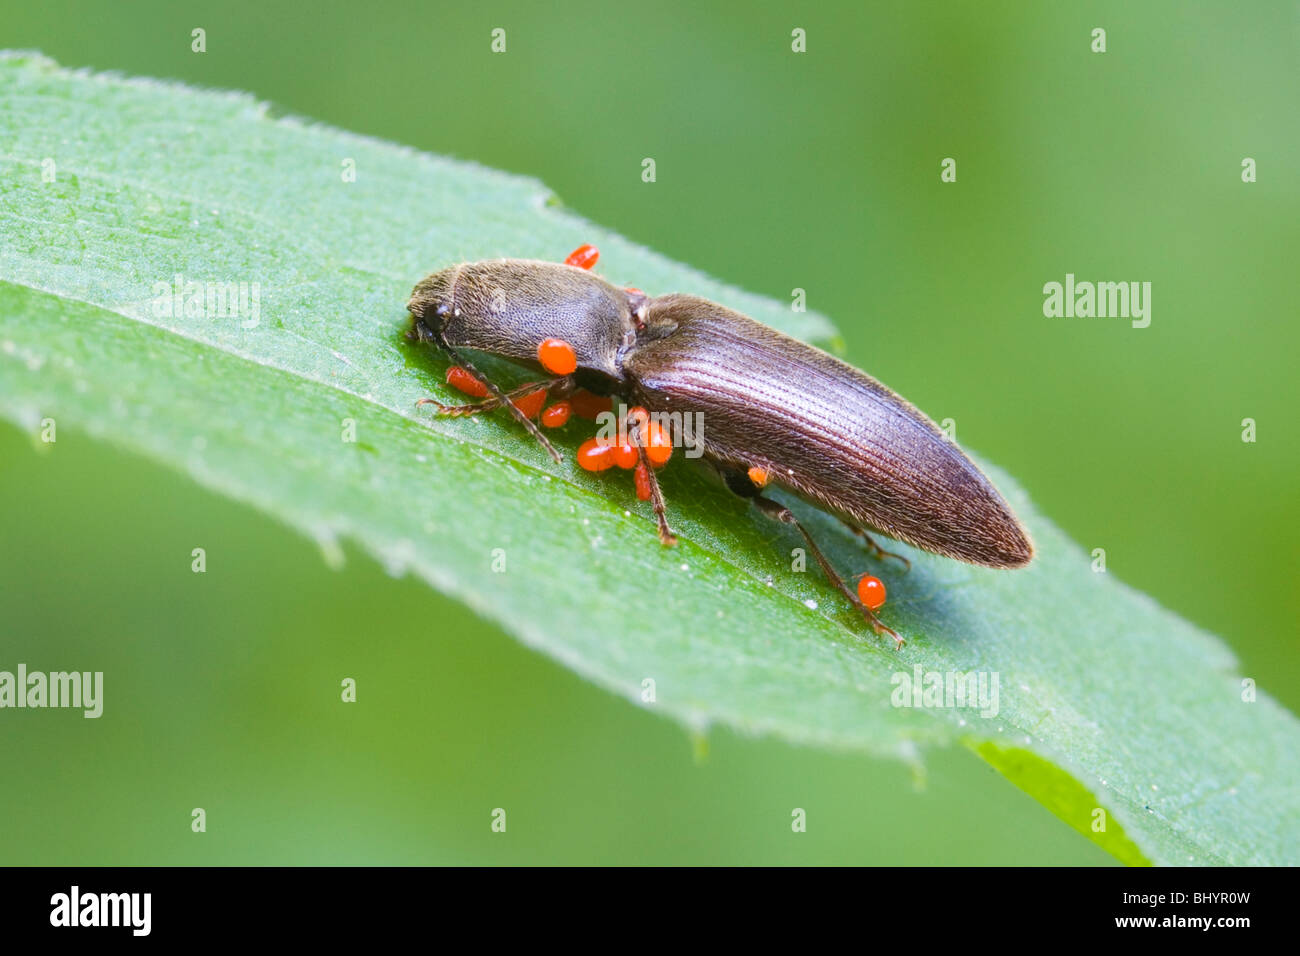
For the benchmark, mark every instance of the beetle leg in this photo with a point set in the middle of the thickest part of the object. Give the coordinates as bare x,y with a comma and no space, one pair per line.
666,536
504,399
876,550
779,512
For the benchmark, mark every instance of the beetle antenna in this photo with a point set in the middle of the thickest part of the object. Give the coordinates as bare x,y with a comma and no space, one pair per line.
505,400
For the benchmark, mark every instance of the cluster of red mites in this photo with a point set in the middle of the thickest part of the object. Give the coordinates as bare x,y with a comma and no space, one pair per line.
600,453
595,454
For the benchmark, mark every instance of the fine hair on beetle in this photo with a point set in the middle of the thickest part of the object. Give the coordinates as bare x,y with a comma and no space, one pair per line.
780,413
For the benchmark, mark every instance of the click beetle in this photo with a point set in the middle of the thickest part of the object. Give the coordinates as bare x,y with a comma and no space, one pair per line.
774,411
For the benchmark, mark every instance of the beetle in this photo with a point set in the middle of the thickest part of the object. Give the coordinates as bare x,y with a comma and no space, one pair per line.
776,411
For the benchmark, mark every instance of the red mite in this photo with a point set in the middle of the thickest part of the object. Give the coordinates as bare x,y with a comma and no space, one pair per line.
775,412
595,456
584,257
462,381
872,592
531,403
642,481
588,405
557,415
557,357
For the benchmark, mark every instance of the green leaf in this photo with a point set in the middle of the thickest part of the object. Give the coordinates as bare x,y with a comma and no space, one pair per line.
113,186
1063,795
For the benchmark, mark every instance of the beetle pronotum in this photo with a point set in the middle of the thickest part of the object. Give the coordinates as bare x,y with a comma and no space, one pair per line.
777,411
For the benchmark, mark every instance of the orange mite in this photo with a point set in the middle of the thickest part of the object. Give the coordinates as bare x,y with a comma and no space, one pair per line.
463,381
872,592
642,481
625,455
593,456
557,415
584,257
758,476
557,357
589,405
531,403
658,445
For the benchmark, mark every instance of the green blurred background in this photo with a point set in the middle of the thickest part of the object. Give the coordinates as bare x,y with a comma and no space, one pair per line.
775,171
